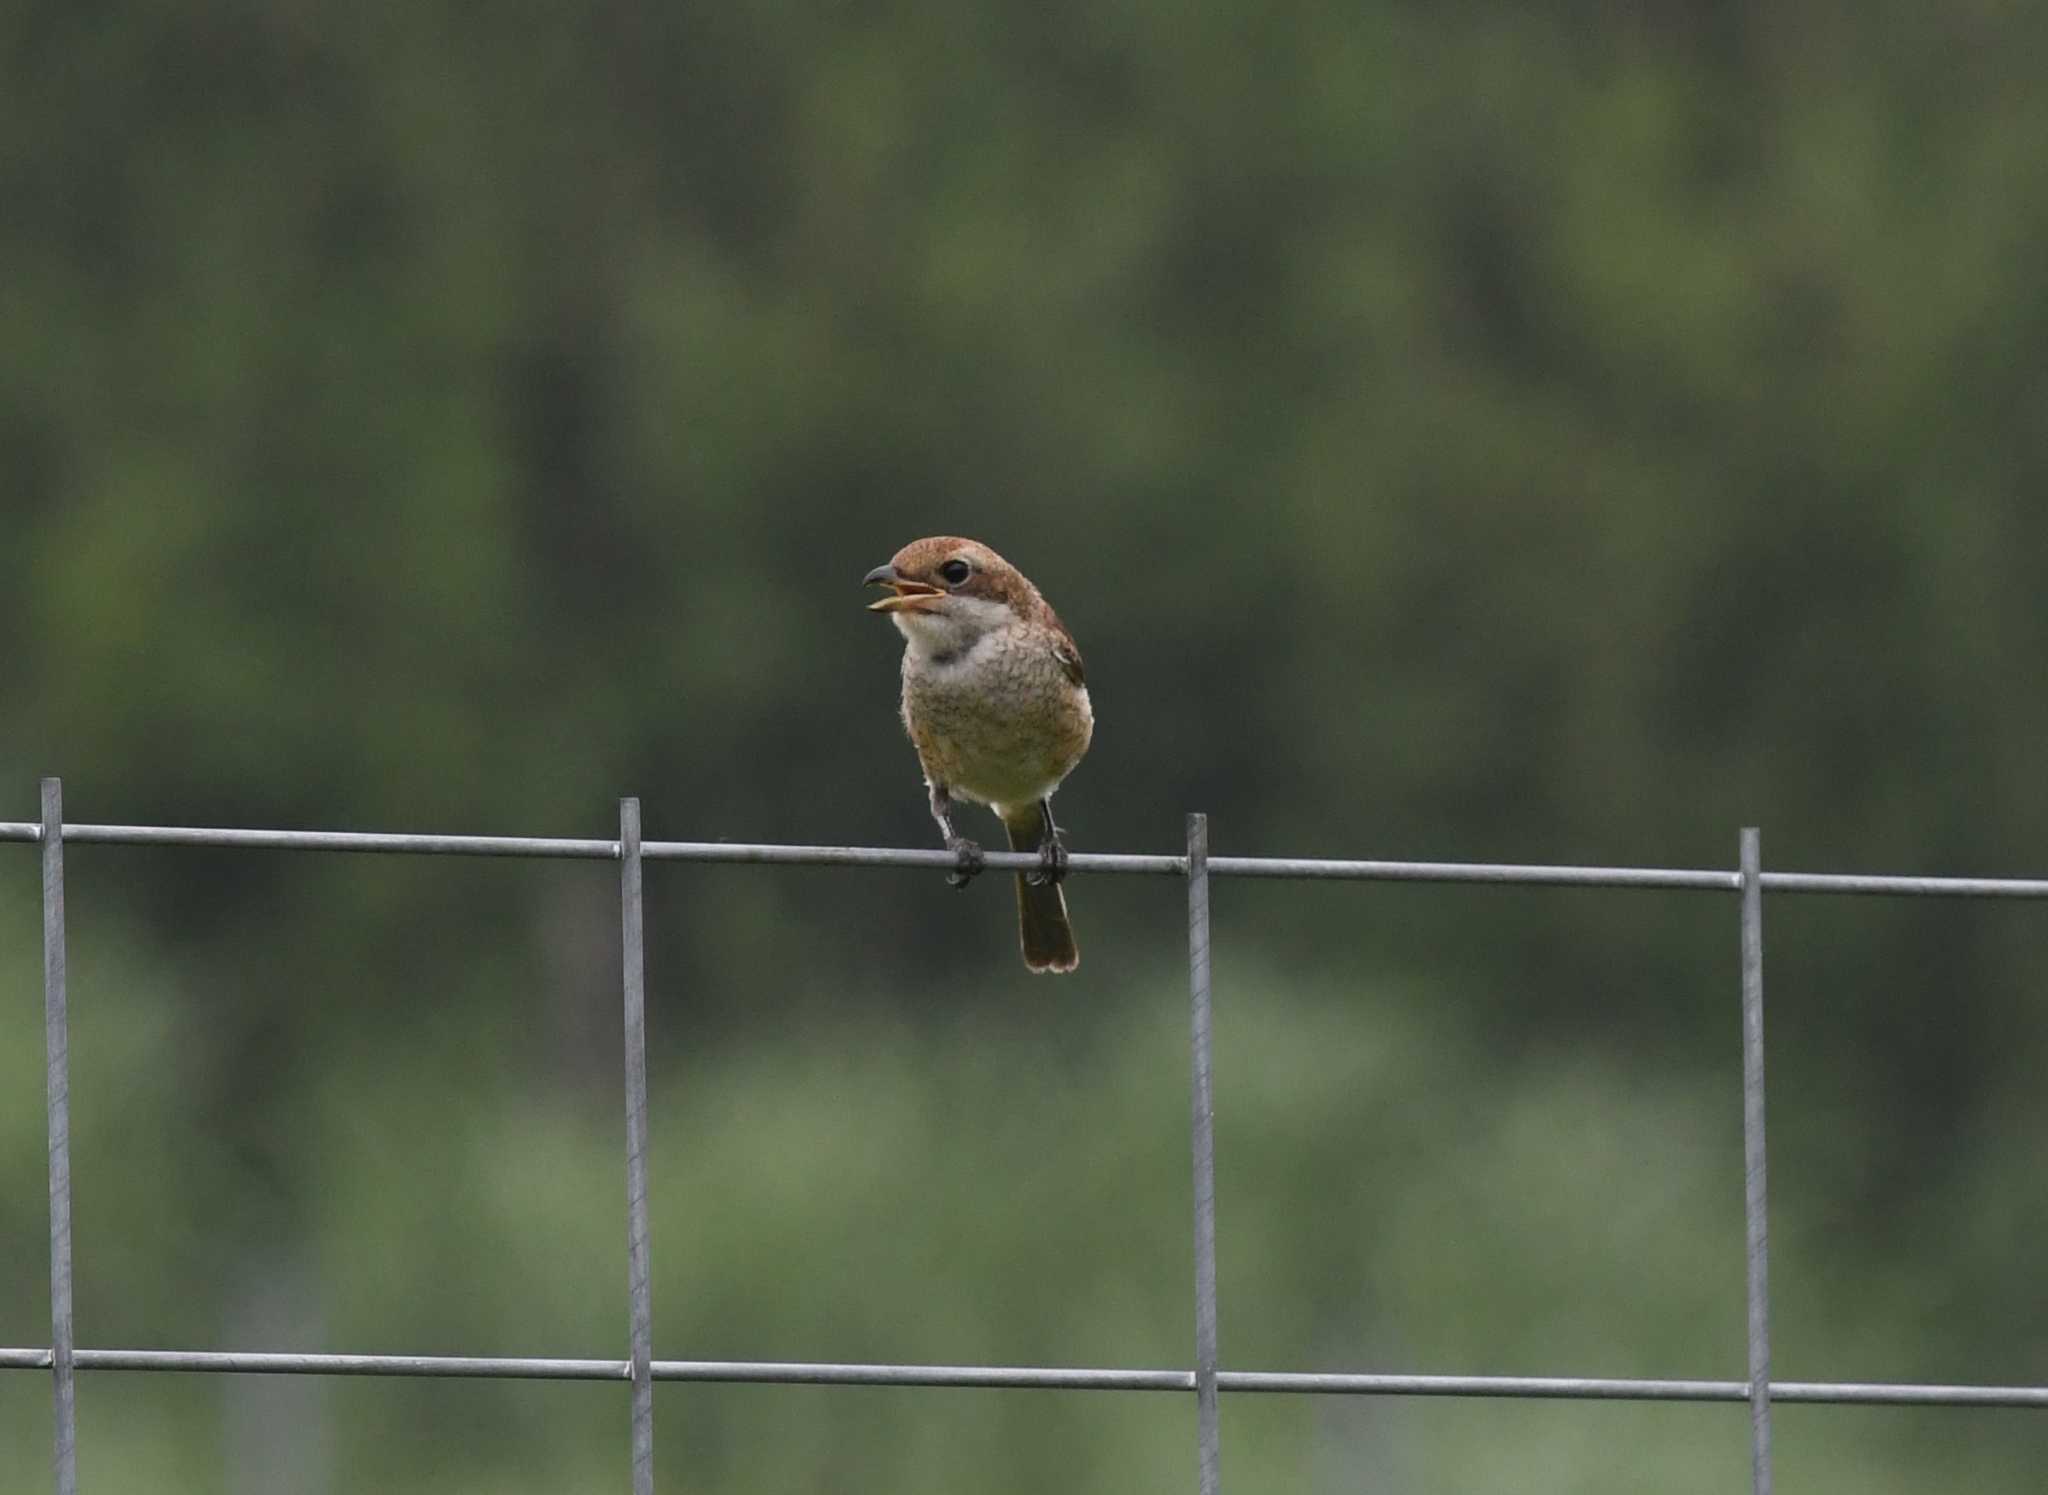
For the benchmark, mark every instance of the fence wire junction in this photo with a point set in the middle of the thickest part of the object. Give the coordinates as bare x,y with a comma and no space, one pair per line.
1206,1378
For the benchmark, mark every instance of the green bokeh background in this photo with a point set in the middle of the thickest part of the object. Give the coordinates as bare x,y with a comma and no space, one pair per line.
1469,431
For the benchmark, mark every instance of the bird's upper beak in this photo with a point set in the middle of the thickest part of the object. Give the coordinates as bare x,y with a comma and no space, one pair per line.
908,594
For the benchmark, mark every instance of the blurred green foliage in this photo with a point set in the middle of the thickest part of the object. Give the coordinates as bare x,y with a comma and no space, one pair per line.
1465,431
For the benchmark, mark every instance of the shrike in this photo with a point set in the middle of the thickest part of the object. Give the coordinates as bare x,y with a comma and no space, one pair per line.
996,705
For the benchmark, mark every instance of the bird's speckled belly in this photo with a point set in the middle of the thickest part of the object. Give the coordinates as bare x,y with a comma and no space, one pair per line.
995,725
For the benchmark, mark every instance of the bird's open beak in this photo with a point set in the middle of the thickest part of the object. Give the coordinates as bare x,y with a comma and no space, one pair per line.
908,594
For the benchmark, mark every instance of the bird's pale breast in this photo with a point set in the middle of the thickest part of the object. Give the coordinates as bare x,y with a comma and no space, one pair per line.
999,722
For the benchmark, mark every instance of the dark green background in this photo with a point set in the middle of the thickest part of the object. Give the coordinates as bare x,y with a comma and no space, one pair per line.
1450,431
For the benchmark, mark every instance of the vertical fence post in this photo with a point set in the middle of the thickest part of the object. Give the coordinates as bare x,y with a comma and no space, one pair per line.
57,1090
1753,1163
1204,1134
639,1286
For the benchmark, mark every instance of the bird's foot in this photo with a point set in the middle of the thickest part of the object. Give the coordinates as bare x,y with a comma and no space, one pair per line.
970,859
1052,865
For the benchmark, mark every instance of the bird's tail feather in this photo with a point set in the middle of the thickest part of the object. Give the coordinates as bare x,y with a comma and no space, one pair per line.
1042,927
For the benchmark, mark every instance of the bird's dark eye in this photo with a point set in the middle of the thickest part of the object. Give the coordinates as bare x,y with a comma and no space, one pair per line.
954,572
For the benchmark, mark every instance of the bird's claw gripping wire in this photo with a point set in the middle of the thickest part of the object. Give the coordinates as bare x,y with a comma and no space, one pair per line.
970,858
1052,865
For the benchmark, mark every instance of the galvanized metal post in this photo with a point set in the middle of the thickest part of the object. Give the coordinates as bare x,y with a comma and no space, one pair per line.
57,1091
638,1281
1753,1163
1204,1133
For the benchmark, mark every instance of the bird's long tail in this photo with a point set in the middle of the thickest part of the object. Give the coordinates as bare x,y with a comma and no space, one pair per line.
1042,927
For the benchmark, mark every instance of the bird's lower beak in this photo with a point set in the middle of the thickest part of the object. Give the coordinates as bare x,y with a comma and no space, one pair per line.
908,594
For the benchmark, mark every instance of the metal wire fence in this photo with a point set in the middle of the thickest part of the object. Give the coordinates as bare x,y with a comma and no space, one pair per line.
63,1358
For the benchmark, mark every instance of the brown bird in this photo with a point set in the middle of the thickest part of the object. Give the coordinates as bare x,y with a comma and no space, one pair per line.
997,707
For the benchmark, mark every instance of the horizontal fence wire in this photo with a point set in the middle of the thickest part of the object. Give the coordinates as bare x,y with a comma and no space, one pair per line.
1207,1378
1029,1377
1710,880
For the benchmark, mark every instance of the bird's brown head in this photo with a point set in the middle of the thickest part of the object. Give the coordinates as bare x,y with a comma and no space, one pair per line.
951,589
924,574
